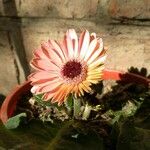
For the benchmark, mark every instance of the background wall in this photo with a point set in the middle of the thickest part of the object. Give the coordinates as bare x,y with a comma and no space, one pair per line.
24,24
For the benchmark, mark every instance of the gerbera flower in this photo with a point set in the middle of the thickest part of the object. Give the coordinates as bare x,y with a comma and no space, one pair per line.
70,66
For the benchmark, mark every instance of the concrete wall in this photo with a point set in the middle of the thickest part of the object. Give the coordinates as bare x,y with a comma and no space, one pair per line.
24,24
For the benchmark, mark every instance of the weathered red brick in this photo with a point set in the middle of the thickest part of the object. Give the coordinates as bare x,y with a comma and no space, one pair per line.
131,9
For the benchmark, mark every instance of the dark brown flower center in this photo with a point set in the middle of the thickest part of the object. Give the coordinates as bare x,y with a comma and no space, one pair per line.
72,69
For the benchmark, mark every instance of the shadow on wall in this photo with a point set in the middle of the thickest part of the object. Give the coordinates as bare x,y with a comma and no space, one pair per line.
2,97
15,35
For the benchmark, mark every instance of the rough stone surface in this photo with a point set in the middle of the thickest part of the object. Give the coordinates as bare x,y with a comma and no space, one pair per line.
127,45
8,74
51,8
1,9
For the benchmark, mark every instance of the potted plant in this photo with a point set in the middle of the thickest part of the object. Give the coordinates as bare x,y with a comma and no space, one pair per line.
77,99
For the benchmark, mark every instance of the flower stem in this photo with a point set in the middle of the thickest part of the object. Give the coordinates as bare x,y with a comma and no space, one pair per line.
86,112
77,107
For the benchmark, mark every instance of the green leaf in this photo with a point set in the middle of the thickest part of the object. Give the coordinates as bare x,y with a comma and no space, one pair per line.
38,135
133,138
143,122
114,116
15,121
114,135
129,109
40,100
43,103
34,135
69,137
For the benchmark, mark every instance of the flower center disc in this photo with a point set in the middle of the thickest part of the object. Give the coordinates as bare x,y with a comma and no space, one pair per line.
72,69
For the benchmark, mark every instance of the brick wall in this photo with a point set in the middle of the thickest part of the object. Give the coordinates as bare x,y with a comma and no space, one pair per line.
24,24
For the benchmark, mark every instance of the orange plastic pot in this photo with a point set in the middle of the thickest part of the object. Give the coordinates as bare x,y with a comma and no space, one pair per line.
9,105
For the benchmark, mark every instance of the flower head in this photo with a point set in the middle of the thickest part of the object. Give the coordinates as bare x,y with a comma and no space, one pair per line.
70,66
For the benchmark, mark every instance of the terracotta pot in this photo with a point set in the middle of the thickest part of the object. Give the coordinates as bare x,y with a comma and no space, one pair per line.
9,104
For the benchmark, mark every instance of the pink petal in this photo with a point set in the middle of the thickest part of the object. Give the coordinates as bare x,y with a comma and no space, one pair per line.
64,48
50,95
74,38
57,49
91,49
46,82
51,53
42,82
38,53
96,53
48,53
99,61
69,45
40,75
33,89
41,64
84,43
42,79
92,36
49,87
